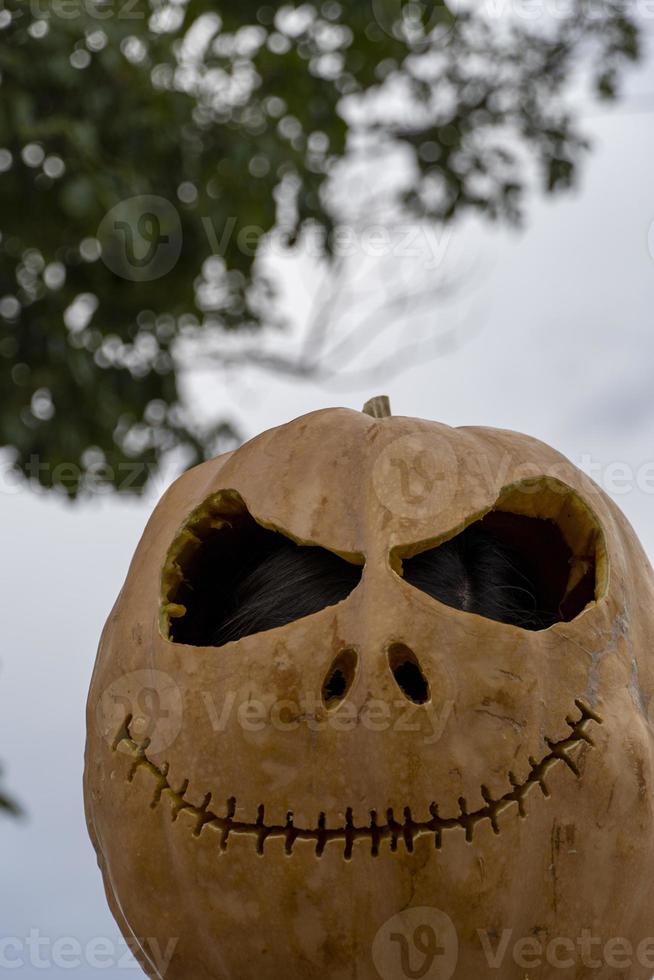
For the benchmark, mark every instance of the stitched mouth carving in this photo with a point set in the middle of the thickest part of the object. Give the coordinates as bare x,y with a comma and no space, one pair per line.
376,832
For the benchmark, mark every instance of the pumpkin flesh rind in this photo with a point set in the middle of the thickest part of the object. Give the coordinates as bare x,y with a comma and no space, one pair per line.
499,698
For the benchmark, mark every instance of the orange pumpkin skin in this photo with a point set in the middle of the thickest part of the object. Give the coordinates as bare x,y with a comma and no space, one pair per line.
490,825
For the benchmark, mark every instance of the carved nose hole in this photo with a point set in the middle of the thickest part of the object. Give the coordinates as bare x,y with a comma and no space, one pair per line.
408,673
339,677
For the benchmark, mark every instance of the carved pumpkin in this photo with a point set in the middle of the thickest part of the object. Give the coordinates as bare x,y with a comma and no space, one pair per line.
269,805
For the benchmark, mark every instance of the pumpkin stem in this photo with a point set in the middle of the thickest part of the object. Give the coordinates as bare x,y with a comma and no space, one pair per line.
379,407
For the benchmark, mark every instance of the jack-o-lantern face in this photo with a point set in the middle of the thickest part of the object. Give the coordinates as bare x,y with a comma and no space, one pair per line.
262,806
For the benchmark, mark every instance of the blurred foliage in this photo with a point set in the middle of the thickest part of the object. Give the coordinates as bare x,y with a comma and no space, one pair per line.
236,113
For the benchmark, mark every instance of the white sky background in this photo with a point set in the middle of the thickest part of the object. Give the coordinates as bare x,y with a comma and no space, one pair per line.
563,348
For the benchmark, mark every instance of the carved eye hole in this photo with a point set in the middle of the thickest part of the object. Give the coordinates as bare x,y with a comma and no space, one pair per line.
227,577
537,558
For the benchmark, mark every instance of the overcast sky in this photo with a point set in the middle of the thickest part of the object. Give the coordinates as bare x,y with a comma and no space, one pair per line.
561,347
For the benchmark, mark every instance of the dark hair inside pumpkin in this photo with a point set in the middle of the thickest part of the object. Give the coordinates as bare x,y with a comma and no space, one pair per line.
229,577
234,578
507,567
